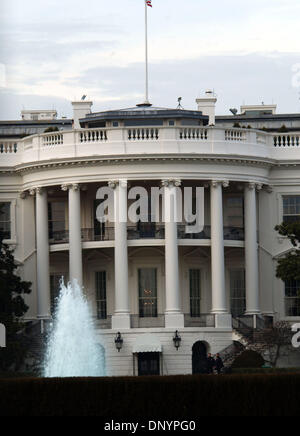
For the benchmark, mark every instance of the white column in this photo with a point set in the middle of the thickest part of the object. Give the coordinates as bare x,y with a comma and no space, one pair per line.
251,250
75,241
42,248
121,318
174,318
219,304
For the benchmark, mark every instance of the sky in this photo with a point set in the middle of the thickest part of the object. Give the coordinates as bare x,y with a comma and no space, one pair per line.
54,51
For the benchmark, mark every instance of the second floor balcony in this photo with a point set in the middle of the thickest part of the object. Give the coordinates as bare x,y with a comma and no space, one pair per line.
144,232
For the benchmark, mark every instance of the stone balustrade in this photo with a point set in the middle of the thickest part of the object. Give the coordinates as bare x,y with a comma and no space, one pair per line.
134,141
8,147
287,140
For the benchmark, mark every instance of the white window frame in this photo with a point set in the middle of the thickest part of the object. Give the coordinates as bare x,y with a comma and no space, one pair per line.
96,297
133,273
13,224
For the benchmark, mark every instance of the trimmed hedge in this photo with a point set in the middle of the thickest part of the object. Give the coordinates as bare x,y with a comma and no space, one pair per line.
248,359
265,370
153,397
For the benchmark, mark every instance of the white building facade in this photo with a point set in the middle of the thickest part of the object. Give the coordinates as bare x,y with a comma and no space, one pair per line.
148,281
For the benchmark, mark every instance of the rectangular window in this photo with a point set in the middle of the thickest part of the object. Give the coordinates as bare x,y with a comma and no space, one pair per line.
57,220
291,208
147,292
5,220
237,293
292,298
101,295
234,211
195,292
99,228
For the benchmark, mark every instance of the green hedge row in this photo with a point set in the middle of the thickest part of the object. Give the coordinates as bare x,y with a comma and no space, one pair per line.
153,397
264,370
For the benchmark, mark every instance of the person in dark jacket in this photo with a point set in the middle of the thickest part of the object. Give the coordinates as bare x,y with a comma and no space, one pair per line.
219,364
210,364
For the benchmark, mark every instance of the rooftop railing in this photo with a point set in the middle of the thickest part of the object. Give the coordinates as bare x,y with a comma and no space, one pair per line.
149,140
8,147
287,140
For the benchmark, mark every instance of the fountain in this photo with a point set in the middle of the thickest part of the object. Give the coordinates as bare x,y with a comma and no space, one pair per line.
72,348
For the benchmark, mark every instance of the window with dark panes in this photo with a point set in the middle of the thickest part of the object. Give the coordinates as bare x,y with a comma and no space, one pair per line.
147,278
234,211
237,293
292,298
57,220
195,292
291,208
99,228
101,295
5,220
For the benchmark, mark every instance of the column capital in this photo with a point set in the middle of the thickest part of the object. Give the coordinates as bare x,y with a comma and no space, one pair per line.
250,185
67,186
165,183
113,184
216,183
269,189
254,185
24,194
34,191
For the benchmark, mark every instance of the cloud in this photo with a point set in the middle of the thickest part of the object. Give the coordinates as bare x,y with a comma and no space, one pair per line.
248,79
54,49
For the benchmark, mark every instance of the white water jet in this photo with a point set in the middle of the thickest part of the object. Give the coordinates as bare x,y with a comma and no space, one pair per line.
72,348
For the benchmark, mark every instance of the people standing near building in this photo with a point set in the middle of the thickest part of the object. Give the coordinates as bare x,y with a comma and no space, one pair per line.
210,364
219,364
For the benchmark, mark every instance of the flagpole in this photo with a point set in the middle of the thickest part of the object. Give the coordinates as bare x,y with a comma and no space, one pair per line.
146,102
146,54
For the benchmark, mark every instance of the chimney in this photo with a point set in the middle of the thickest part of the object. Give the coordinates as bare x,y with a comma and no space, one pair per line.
207,105
80,110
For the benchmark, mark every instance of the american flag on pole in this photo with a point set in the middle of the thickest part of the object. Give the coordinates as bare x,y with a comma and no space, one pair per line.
149,3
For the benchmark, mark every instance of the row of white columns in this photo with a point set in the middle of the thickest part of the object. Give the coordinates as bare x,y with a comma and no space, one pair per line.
174,317
219,300
42,245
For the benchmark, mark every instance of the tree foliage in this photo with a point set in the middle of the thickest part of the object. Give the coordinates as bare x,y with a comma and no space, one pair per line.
248,359
288,267
12,307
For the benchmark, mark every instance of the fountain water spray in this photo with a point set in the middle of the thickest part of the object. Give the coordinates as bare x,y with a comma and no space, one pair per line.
72,349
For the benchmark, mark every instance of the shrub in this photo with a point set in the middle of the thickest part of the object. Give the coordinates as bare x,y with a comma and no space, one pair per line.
248,359
265,370
153,397
51,129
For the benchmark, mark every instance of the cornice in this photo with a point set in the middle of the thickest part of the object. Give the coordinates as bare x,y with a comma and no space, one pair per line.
117,160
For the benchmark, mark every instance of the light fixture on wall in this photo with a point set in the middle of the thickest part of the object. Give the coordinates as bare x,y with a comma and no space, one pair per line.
119,342
177,340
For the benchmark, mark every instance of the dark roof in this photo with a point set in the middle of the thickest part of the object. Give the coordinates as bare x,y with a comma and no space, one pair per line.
34,122
143,112
21,128
263,117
